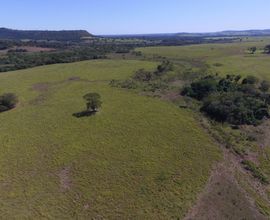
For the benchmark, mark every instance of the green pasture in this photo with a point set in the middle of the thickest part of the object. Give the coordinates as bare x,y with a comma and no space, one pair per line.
228,58
138,158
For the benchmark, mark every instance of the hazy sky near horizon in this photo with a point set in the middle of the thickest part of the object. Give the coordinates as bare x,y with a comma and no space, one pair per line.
136,16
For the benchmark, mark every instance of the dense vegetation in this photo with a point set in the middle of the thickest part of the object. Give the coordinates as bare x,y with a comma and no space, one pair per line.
15,60
17,56
230,99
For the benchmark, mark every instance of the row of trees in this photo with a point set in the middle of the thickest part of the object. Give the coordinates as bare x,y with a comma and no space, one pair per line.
20,60
231,98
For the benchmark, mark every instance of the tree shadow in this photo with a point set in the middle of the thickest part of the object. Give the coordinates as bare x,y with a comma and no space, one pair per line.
84,114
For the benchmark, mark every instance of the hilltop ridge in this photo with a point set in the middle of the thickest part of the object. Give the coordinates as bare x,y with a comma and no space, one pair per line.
64,35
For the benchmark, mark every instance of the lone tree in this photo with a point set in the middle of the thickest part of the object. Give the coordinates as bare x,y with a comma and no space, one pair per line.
93,102
252,50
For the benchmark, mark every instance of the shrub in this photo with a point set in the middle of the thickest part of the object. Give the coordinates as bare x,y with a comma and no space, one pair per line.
201,89
126,84
217,64
267,49
156,86
143,75
165,66
8,101
252,50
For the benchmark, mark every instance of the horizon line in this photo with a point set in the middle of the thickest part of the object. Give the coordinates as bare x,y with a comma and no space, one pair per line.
153,33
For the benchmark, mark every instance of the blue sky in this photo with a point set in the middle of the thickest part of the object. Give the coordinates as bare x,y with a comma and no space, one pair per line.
136,16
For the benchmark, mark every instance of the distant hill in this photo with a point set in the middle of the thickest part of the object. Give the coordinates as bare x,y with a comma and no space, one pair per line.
265,32
244,33
69,35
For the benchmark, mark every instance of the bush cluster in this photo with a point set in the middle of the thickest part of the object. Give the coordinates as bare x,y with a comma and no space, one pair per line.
231,98
148,80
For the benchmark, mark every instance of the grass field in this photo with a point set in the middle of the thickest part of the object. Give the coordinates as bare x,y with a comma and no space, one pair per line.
138,158
233,57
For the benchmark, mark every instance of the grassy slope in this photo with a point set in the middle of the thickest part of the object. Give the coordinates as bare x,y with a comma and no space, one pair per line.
138,158
235,59
233,56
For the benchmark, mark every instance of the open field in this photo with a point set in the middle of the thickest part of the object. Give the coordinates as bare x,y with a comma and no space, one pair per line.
138,158
229,58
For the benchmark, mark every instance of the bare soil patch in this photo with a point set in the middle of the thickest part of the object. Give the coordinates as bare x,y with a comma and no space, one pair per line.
41,87
223,198
64,179
172,96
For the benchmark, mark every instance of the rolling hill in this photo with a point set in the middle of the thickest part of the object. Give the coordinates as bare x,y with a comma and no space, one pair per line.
138,158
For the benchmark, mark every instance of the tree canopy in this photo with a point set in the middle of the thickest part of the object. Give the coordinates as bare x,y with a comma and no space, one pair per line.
93,101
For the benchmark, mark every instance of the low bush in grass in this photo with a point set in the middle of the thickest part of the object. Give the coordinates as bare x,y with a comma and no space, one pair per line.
256,172
8,101
217,64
